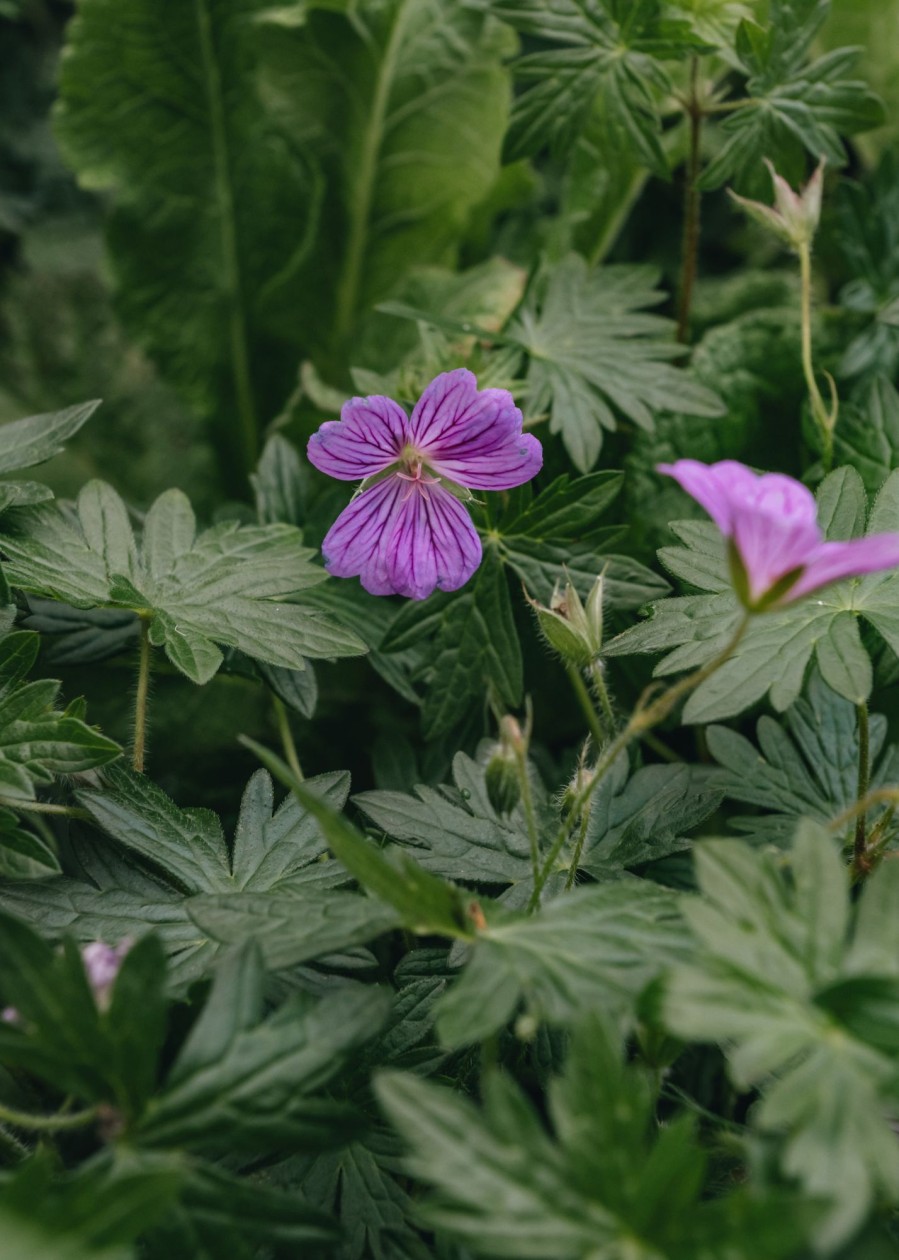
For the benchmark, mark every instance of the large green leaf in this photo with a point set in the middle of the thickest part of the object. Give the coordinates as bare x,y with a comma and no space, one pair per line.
403,103
777,649
159,107
802,989
606,1183
224,586
792,104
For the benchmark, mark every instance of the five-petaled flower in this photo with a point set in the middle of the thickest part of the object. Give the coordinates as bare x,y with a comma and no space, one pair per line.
406,531
777,552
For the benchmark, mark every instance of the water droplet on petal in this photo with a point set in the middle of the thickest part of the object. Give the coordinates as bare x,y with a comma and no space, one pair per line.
465,794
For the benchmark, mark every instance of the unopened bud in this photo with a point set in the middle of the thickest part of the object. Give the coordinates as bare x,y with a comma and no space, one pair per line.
570,629
501,780
577,785
794,216
101,966
507,763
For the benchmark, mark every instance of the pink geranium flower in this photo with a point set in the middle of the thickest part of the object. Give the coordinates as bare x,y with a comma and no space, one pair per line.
407,533
777,549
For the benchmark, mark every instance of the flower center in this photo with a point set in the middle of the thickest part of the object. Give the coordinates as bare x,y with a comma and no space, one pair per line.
412,469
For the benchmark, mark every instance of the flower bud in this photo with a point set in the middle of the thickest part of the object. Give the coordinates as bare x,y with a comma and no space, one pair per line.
570,629
101,966
501,780
794,216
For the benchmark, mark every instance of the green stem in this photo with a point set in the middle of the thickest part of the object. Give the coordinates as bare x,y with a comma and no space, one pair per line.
578,850
43,807
602,692
587,706
527,802
859,846
692,208
140,702
824,418
46,1124
286,734
247,437
646,715
613,227
662,749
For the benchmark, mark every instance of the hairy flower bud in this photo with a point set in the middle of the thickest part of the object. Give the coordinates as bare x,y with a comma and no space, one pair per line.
570,628
501,780
794,216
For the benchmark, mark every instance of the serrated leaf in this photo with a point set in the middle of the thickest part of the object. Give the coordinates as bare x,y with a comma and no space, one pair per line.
778,647
591,949
793,104
604,1182
37,741
476,644
24,443
425,904
867,436
226,586
596,354
769,981
806,766
607,53
259,1086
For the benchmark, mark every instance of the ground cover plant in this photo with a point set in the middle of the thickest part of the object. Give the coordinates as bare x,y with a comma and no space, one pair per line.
449,621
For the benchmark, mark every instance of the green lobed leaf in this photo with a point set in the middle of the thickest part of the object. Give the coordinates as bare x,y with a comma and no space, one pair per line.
226,586
593,949
783,979
804,767
793,104
605,1182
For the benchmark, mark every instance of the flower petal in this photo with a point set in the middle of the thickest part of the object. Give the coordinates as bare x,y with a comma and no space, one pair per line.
715,487
366,439
473,437
832,561
402,542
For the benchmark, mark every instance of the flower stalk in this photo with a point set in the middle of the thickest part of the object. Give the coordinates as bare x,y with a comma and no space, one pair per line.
141,698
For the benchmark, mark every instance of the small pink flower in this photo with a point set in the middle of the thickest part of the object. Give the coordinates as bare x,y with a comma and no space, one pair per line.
407,532
776,544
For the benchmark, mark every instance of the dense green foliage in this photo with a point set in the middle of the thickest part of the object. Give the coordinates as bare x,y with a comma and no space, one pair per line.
425,950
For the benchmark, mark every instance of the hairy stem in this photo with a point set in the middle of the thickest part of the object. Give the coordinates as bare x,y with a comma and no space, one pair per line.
43,807
692,208
824,417
286,734
647,714
587,707
140,702
859,846
578,849
602,693
46,1124
527,803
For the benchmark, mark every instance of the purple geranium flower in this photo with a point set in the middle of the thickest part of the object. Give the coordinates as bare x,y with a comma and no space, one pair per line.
407,532
101,966
776,544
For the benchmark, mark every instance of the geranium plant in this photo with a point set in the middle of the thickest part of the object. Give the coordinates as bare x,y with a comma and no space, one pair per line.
449,752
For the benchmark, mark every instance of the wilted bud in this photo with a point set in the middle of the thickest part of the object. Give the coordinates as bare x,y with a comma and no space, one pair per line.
794,216
101,966
570,629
